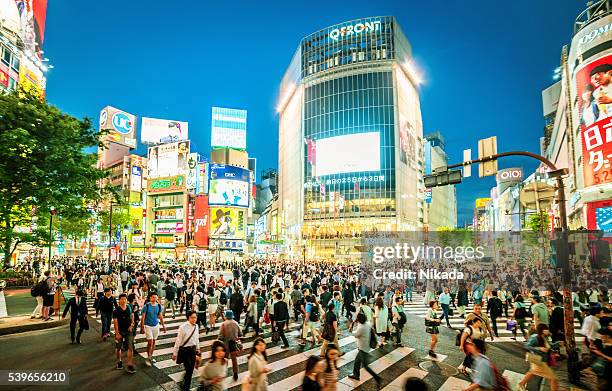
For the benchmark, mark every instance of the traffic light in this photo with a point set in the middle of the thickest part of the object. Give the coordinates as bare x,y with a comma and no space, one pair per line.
443,178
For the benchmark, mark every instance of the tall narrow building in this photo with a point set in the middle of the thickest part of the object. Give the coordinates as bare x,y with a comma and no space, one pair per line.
350,139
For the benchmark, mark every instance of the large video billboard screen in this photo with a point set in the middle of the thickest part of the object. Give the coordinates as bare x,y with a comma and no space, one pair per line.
350,153
227,223
228,128
168,159
594,90
158,131
228,186
32,17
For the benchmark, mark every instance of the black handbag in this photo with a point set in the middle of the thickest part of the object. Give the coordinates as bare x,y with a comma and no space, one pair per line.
185,350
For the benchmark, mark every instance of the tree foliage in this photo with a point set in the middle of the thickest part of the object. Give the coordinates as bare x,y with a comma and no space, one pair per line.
44,163
538,223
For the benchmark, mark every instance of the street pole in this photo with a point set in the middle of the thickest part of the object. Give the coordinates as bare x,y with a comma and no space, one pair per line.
51,213
110,232
570,341
304,254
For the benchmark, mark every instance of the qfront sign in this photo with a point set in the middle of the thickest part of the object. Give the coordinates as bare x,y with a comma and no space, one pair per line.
353,29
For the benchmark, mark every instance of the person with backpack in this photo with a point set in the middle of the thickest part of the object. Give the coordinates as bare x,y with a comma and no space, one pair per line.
495,308
152,315
519,315
296,299
311,321
485,375
77,306
199,305
37,292
398,319
48,295
123,322
362,335
251,316
170,294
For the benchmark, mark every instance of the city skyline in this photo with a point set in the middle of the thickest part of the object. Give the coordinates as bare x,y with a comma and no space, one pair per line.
151,91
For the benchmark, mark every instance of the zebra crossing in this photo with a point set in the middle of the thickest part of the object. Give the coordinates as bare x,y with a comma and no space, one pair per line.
418,308
393,364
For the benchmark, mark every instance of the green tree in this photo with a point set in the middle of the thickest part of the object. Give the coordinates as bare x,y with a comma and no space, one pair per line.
538,223
44,163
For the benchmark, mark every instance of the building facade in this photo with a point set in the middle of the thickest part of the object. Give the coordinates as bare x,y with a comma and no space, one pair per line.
350,139
441,201
580,136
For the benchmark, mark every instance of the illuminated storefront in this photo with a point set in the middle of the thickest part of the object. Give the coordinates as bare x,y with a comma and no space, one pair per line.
350,139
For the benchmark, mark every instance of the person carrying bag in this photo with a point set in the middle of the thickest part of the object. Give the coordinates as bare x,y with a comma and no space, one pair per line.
187,347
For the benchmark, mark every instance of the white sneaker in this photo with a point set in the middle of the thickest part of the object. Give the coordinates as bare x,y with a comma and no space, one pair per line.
148,362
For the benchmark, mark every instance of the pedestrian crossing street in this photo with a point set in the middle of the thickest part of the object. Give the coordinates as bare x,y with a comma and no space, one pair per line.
418,308
393,364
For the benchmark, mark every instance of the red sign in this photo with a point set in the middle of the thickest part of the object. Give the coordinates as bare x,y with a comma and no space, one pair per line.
201,216
594,90
4,78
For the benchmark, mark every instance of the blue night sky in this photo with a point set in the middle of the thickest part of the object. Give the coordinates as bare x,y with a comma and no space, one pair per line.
484,62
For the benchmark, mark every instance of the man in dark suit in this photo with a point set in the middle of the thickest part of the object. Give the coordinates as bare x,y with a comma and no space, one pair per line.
281,318
77,306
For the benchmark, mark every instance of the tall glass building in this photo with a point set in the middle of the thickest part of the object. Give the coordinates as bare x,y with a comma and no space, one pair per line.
350,139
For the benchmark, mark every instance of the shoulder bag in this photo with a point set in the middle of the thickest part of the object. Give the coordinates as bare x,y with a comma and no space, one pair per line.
185,350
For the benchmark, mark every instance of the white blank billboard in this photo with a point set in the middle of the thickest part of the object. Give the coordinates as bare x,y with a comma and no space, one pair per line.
350,153
158,131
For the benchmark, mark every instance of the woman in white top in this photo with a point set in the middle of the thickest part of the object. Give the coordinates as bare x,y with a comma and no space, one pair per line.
213,302
99,293
381,319
187,346
258,360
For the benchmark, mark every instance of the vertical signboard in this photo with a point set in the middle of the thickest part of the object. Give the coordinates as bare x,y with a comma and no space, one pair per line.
201,223
594,91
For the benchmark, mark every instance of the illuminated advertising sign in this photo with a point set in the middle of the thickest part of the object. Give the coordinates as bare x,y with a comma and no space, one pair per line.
201,221
510,175
407,144
227,223
120,125
594,90
168,159
166,184
350,153
229,186
192,172
31,78
261,225
32,16
237,245
136,179
481,202
354,29
4,78
228,128
158,131
428,195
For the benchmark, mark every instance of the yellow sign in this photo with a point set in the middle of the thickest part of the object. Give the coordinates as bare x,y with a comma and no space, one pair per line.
482,202
227,223
31,78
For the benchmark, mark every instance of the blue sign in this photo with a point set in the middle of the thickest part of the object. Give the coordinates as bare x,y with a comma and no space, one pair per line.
229,186
428,195
122,123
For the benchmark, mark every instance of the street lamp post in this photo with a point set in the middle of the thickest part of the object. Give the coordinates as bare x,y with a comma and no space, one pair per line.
110,231
51,213
570,341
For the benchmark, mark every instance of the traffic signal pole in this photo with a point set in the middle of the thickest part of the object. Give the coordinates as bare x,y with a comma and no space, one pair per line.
570,340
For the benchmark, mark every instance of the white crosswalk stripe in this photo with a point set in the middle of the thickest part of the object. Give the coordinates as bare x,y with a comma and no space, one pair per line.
287,365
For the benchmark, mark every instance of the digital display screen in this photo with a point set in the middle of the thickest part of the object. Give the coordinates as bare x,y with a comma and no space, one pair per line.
350,153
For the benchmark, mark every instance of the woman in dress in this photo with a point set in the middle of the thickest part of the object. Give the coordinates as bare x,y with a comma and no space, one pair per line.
431,326
258,360
215,369
381,320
